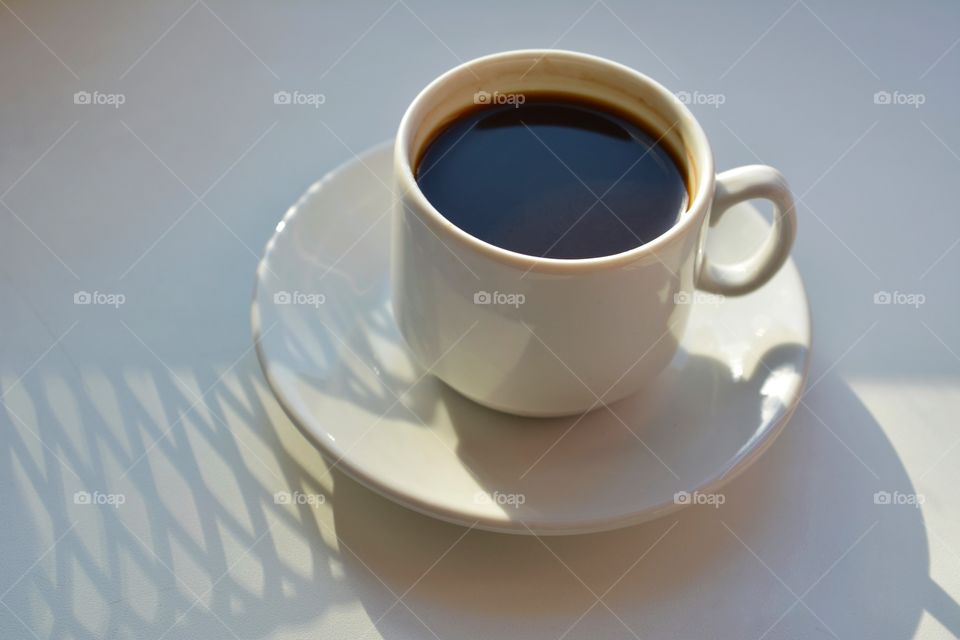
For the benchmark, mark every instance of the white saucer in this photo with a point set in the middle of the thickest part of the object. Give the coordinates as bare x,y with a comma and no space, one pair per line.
336,362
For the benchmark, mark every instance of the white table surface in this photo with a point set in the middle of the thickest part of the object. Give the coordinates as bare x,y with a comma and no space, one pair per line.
168,200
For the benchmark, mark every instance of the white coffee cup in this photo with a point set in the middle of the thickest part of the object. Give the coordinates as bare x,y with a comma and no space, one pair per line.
545,336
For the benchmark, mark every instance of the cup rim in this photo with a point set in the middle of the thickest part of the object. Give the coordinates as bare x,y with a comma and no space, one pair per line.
698,149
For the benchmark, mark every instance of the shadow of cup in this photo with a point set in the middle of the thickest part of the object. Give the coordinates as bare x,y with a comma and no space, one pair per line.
799,527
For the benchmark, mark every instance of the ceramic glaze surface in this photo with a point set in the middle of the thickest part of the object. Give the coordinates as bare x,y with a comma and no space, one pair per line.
550,337
333,354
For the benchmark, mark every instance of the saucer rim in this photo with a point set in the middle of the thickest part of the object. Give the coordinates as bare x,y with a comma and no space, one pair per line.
338,461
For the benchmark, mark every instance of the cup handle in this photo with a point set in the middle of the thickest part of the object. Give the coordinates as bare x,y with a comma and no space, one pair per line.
735,186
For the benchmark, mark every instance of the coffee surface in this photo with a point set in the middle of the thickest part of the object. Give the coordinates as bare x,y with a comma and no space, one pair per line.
553,177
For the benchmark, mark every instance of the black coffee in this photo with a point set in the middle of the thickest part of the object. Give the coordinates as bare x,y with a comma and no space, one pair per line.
553,177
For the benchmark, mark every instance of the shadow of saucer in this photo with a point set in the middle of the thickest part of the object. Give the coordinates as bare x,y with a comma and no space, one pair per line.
788,529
